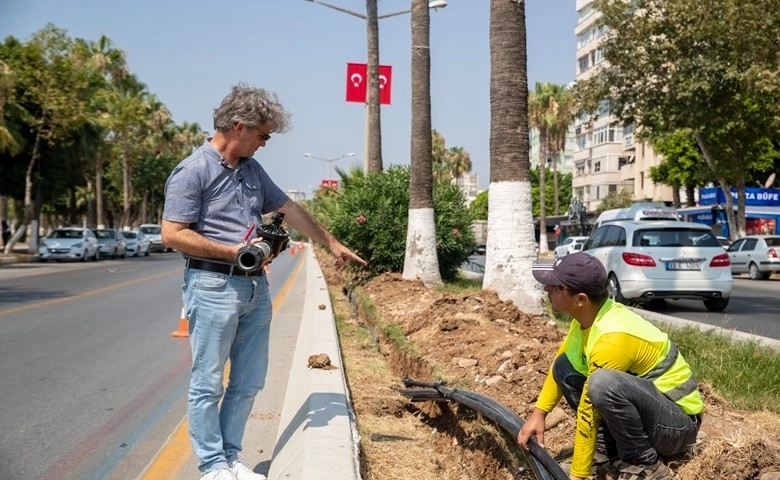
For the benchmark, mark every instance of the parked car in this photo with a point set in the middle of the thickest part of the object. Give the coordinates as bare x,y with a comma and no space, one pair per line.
725,242
137,243
478,250
646,261
569,245
756,255
152,232
111,242
69,244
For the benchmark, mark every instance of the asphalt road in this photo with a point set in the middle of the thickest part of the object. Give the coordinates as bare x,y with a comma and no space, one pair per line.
93,382
754,307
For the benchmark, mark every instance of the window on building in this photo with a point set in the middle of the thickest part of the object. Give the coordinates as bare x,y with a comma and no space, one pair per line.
585,11
598,56
596,167
582,64
584,38
609,134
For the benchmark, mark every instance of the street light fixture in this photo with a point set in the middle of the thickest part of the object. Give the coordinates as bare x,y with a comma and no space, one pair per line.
329,161
436,4
373,148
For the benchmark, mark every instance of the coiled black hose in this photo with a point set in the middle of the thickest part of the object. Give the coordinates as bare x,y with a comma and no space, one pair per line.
542,464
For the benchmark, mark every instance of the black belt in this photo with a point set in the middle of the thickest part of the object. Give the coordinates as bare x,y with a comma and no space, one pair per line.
221,268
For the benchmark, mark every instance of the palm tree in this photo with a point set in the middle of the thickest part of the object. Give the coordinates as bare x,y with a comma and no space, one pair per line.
558,133
439,152
510,251
459,162
110,64
374,161
421,259
541,116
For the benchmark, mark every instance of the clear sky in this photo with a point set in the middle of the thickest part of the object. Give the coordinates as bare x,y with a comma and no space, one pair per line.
190,52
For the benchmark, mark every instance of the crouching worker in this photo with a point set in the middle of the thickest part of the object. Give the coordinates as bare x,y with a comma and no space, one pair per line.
635,396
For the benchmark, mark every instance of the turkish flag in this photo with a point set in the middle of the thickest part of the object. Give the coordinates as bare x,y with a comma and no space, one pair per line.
357,78
357,83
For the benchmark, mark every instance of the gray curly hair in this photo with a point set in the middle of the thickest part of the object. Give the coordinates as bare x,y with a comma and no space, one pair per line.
253,107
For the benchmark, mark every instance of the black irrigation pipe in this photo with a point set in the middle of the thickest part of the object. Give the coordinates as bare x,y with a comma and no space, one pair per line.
542,464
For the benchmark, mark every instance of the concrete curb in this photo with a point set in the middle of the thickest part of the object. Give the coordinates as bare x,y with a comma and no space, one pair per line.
660,318
318,436
17,258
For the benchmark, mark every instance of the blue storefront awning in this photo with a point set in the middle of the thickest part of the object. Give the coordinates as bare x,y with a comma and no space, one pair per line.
751,211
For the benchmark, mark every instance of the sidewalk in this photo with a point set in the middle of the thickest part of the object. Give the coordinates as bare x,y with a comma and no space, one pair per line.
20,255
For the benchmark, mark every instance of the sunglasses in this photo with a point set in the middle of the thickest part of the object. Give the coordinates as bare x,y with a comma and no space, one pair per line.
264,136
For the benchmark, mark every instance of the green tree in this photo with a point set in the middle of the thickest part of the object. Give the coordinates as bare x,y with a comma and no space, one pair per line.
439,155
370,215
682,166
511,248
479,206
420,260
619,199
556,136
543,116
674,65
50,89
459,162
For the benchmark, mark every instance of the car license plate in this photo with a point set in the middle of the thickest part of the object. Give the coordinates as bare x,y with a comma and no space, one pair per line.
683,265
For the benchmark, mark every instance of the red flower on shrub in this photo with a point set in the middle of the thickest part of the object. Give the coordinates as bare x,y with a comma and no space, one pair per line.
456,232
361,219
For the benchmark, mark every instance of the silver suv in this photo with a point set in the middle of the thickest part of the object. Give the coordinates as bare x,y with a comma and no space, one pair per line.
649,260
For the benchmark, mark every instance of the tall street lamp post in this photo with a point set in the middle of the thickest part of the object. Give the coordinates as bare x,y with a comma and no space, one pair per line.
372,161
329,161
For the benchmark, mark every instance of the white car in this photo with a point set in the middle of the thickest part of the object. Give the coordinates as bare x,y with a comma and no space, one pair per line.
137,243
153,233
654,260
69,244
756,255
570,245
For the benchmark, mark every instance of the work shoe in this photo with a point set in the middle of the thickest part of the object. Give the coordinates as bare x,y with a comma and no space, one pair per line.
656,471
223,473
599,465
242,472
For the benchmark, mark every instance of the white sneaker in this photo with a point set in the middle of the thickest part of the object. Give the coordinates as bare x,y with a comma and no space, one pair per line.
224,473
242,472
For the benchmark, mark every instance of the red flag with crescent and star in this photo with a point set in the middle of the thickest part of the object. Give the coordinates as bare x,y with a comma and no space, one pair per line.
357,82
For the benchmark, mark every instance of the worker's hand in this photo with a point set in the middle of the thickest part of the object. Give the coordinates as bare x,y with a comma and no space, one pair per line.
533,426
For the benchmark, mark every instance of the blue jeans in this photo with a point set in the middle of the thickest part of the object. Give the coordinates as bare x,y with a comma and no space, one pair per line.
229,318
639,422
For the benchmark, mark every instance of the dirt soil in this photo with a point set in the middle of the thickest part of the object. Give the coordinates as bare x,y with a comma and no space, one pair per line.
480,343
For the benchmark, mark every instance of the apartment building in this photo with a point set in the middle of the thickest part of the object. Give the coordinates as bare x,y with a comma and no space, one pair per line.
565,158
606,156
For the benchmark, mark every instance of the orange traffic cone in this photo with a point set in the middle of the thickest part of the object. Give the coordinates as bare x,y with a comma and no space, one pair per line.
183,330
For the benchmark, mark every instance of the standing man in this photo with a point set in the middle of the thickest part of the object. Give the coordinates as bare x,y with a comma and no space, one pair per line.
212,198
618,372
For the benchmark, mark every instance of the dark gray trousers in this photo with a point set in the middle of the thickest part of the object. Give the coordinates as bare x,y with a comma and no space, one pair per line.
639,423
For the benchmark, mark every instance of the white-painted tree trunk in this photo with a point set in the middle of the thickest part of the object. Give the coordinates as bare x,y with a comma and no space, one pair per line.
421,262
511,247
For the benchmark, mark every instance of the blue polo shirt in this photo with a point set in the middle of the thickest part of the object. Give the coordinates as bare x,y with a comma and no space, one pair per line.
218,202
